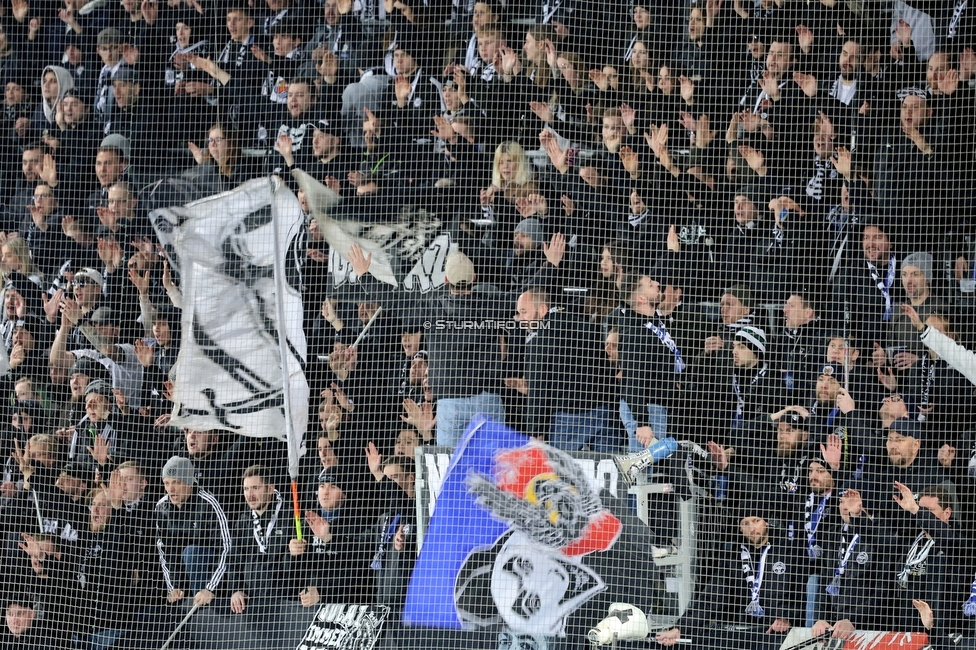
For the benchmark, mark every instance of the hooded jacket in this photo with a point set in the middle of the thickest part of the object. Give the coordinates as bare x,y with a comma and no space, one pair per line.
44,116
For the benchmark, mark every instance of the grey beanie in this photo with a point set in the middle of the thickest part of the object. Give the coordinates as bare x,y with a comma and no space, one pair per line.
923,261
101,386
181,469
532,228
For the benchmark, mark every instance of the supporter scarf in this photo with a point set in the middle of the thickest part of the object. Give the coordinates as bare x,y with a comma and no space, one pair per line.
845,555
969,607
271,21
630,48
954,29
243,49
915,559
823,168
636,219
790,483
754,579
813,517
549,9
928,379
661,331
740,401
832,416
380,555
263,539
884,286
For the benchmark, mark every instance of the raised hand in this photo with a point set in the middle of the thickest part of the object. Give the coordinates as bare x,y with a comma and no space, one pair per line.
198,155
542,110
374,461
755,159
144,353
770,85
99,449
687,89
630,161
842,161
402,89
443,129
420,416
804,37
832,451
628,115
806,82
320,527
360,263
555,249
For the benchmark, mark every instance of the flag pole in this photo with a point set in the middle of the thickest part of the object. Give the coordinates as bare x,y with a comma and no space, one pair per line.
366,327
279,280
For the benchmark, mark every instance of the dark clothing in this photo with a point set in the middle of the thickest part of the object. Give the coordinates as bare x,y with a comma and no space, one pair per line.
727,593
565,368
199,522
795,356
339,569
650,367
260,564
857,560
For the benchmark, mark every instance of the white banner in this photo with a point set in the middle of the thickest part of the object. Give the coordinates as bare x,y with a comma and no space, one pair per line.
239,342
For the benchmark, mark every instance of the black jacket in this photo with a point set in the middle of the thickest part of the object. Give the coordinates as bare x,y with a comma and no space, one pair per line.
263,574
339,569
647,363
199,522
727,594
565,367
860,569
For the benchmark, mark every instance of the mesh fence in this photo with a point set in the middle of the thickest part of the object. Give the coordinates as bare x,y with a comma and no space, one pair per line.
353,324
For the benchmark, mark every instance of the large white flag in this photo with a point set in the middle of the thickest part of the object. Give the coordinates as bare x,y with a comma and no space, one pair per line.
243,348
411,238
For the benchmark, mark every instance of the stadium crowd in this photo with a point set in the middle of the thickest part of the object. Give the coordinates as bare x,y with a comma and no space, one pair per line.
733,222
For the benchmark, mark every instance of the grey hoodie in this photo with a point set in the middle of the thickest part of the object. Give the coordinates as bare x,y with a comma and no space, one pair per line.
65,83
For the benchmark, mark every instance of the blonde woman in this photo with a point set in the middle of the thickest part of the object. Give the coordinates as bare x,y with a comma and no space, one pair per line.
15,258
512,178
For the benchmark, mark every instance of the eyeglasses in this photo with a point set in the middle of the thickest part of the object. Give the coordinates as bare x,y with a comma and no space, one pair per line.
46,195
82,283
215,140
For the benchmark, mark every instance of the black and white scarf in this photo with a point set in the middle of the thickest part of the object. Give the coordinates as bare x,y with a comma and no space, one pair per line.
262,535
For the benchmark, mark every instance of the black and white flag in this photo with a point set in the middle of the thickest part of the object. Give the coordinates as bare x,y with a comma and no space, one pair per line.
408,252
243,348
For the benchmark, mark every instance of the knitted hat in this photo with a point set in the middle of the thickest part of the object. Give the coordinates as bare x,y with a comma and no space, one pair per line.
922,261
753,338
120,142
181,469
99,386
331,477
109,36
532,228
90,368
